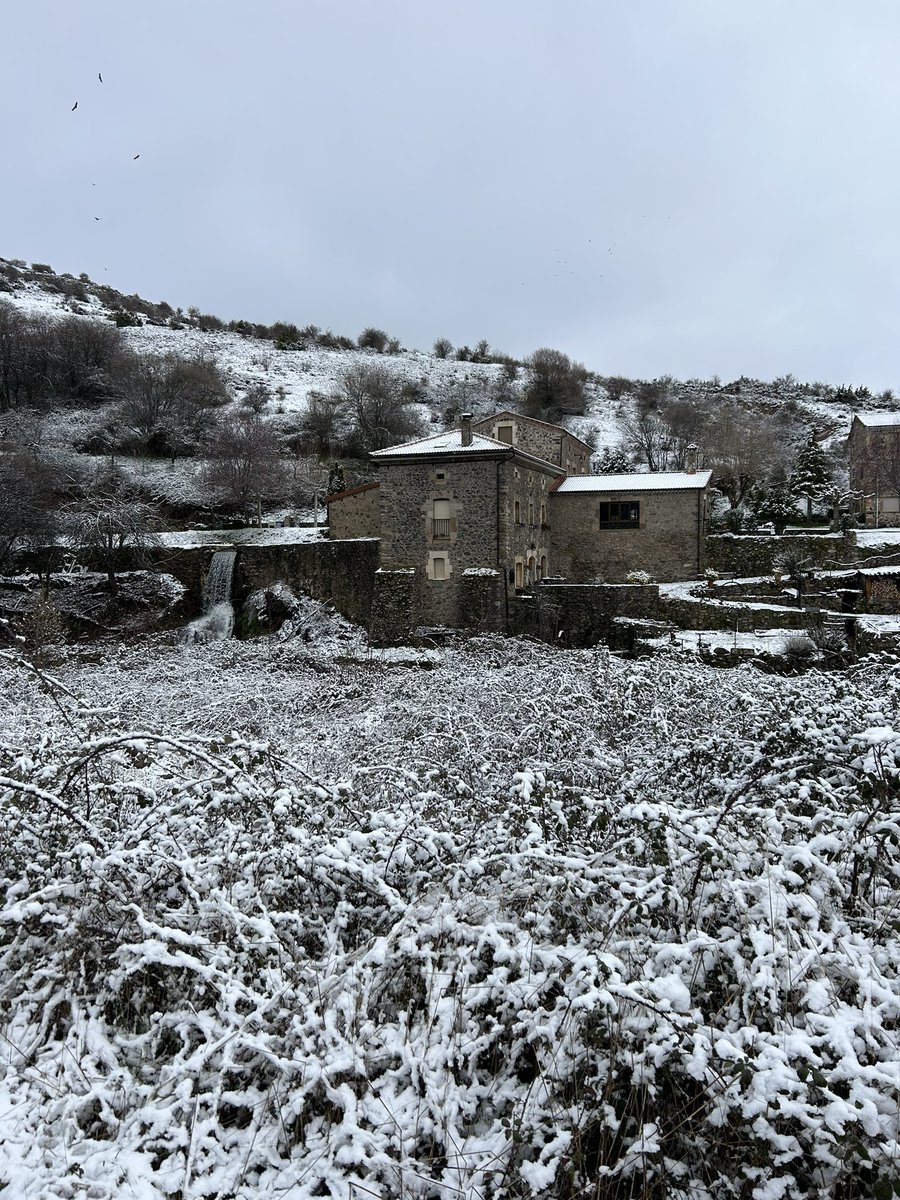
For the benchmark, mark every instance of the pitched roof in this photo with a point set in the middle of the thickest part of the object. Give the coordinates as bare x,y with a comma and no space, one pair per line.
448,442
354,491
657,481
874,420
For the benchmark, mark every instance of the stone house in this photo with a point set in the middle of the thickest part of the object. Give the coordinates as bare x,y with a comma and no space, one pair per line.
605,526
468,519
873,450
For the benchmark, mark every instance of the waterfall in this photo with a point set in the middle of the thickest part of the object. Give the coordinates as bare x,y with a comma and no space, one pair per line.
217,622
218,581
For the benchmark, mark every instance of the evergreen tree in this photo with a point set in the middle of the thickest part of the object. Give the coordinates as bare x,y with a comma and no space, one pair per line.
812,477
614,461
335,479
776,503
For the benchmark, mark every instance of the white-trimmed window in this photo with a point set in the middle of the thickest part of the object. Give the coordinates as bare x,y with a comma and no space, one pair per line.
440,520
505,434
439,567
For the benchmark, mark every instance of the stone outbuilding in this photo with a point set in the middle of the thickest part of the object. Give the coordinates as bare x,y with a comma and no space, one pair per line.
605,526
873,450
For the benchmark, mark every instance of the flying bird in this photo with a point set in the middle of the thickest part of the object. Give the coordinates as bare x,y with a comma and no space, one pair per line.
97,218
74,106
99,76
136,157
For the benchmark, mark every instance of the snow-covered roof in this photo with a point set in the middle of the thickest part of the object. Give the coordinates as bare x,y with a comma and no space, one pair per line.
657,481
875,420
448,442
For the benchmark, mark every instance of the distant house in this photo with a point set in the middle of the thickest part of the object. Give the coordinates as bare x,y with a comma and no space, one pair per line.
873,450
472,515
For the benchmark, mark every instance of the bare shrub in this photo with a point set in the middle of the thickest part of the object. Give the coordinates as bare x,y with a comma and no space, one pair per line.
555,384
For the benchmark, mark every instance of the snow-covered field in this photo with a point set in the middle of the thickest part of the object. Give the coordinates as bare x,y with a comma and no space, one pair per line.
511,922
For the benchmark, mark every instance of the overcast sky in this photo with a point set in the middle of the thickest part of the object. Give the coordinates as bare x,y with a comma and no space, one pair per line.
685,187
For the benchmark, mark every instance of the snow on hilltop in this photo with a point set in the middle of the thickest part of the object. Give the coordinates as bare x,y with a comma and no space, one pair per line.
521,923
447,385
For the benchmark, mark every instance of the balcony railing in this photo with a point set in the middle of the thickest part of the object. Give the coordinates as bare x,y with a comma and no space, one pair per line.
440,528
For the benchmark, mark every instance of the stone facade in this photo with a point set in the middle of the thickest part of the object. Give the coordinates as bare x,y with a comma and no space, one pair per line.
873,450
478,518
452,516
354,513
667,542
549,442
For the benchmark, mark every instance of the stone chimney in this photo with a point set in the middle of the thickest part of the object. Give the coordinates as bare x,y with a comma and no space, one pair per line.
692,459
465,425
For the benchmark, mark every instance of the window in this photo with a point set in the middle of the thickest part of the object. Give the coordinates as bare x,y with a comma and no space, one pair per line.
517,512
890,504
505,434
620,514
543,514
543,571
530,512
439,568
439,474
440,520
520,573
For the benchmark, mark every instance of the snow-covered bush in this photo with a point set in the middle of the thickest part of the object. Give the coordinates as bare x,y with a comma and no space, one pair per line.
638,577
530,924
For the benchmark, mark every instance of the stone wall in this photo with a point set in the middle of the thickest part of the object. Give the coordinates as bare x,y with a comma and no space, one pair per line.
341,573
396,606
586,614
550,442
525,522
754,554
668,544
354,513
580,614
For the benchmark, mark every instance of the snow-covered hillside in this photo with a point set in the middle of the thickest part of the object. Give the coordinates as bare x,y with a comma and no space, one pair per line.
447,385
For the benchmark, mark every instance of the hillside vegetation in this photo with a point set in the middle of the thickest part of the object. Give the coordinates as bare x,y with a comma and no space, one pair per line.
93,381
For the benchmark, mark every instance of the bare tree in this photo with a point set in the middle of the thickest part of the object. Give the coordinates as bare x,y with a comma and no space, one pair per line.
322,424
377,410
86,358
743,449
170,401
25,358
244,464
111,517
555,384
26,504
648,435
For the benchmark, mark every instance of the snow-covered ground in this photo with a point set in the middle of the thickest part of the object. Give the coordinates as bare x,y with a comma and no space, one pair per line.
280,536
275,920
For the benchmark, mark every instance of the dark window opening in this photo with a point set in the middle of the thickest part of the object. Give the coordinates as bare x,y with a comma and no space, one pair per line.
620,514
